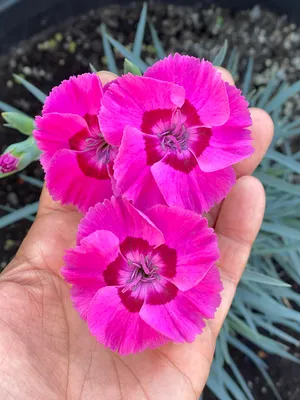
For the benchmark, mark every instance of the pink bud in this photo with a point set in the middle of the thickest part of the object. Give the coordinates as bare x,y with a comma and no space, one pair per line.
8,163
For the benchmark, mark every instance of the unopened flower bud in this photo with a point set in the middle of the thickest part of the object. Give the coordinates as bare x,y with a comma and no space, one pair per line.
8,163
17,156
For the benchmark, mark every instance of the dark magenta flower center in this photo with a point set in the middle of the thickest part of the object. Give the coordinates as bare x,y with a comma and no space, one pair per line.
143,271
178,130
93,152
139,266
99,147
176,137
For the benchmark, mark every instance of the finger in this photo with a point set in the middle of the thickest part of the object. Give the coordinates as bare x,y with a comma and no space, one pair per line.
226,75
106,76
237,226
262,132
47,204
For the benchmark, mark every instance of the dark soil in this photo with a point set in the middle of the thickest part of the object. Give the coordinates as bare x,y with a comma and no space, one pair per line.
61,51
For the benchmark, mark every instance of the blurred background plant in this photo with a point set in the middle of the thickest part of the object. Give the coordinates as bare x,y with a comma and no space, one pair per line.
265,312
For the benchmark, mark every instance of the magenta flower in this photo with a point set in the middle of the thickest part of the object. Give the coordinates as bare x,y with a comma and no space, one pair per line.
180,129
141,281
76,158
8,163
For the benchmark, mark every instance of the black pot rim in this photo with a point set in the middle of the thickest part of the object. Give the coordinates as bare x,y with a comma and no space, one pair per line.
20,19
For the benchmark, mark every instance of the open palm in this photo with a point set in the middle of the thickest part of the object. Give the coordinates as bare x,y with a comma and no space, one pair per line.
47,351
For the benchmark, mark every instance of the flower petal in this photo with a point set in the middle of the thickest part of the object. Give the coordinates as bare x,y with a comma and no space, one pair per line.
54,132
118,328
84,267
239,112
119,272
120,217
221,153
206,295
80,95
231,142
183,184
177,318
93,164
132,168
89,259
202,82
196,245
129,97
67,183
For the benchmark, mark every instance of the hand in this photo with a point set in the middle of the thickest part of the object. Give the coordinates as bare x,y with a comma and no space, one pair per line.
47,351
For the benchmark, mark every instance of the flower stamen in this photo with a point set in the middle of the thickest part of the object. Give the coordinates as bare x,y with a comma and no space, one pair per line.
144,271
175,138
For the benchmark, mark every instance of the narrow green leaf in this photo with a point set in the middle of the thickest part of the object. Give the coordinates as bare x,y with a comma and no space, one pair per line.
267,344
223,342
18,214
261,301
214,386
7,108
241,380
281,230
254,96
231,58
139,36
244,311
289,134
128,54
283,95
248,77
278,183
291,324
37,93
219,365
270,383
293,124
233,387
33,181
283,160
261,365
273,330
111,62
9,209
92,68
235,67
242,347
218,60
268,92
130,67
156,41
275,250
19,121
253,276
291,270
233,61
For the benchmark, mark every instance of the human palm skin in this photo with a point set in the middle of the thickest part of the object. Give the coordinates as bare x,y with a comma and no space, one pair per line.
46,350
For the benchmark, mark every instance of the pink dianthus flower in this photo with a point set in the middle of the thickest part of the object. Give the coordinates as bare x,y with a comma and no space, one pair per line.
140,281
180,129
75,156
